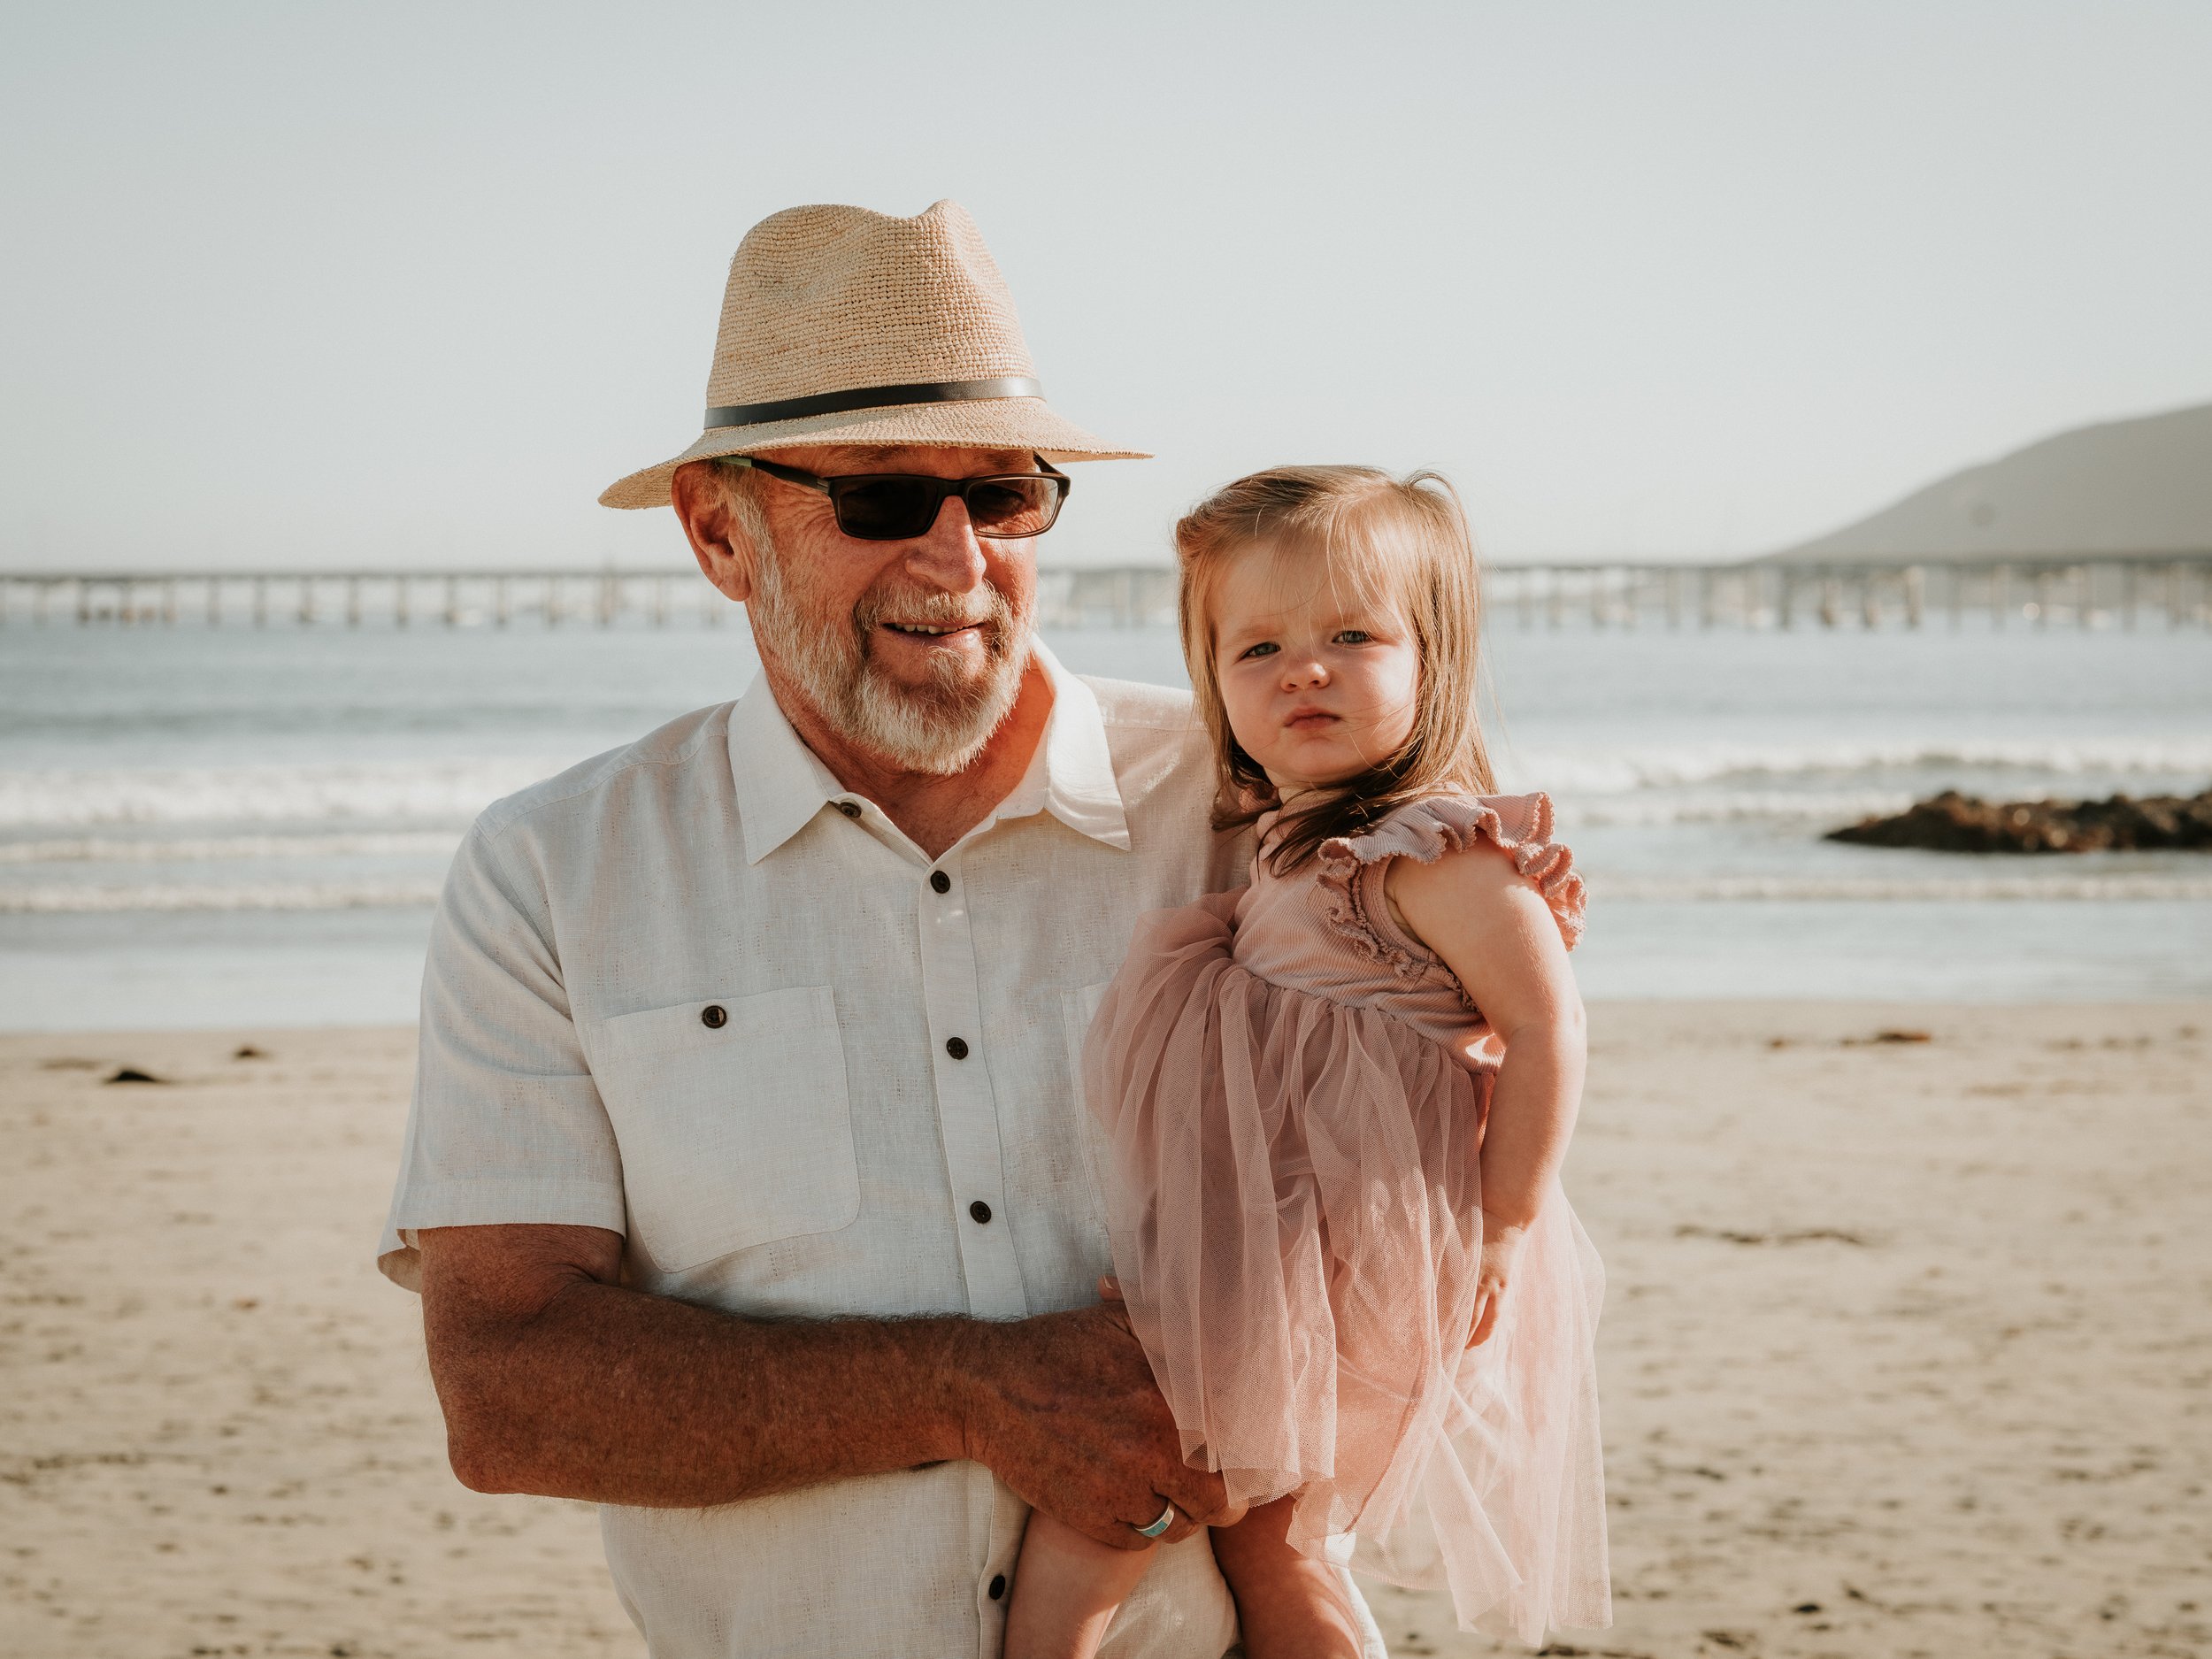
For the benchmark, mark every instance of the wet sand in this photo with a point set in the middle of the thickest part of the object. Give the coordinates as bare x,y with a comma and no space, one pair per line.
1908,1349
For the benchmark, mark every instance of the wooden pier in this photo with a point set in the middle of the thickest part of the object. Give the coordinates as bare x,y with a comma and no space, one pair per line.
2165,591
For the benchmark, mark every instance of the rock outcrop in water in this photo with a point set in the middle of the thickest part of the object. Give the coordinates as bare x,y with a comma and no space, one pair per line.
1955,822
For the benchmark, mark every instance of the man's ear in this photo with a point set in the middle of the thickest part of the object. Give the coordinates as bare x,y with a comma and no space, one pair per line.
726,553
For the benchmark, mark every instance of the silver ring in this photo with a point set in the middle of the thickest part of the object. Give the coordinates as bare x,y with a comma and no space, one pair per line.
1166,1520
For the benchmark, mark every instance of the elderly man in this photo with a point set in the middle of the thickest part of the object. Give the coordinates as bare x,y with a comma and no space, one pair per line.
748,1187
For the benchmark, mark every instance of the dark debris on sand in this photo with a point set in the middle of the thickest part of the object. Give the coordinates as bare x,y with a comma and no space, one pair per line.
1955,822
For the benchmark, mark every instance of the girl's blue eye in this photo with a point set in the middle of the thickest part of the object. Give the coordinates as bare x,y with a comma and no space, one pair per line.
1265,648
1351,636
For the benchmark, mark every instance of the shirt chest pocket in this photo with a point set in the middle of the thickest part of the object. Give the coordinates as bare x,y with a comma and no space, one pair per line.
733,1121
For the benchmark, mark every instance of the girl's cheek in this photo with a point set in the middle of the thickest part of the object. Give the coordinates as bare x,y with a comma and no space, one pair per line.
1244,726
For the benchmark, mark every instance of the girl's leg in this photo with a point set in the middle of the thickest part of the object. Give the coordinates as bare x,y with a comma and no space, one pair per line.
1066,1588
1290,1607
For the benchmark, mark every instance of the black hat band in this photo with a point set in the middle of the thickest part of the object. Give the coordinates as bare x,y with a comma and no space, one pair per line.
869,397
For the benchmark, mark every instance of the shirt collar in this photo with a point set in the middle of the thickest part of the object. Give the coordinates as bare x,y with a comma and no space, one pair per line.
781,784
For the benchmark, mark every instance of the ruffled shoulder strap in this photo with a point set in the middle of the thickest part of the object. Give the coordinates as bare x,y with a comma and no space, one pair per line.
1518,824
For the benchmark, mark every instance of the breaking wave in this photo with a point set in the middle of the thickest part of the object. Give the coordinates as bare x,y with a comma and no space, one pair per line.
1593,785
107,850
1583,771
1925,890
423,792
59,900
89,898
1728,806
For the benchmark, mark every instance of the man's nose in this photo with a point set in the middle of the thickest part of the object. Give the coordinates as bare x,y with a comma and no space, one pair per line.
948,554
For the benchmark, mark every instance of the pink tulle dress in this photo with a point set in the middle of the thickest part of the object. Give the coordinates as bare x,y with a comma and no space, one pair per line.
1295,1090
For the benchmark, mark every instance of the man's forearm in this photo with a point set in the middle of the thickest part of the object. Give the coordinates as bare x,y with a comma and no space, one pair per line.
556,1380
613,1396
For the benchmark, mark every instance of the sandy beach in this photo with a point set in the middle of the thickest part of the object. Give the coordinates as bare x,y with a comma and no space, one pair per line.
1908,1349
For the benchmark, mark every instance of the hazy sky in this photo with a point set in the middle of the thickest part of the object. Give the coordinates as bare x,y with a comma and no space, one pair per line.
314,283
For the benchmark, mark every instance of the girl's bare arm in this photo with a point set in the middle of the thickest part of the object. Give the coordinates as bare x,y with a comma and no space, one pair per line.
1494,931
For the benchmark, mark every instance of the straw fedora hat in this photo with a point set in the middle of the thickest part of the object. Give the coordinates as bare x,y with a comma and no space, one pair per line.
840,326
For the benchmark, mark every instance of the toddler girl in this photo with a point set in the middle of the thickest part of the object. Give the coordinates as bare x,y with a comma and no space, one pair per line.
1338,1099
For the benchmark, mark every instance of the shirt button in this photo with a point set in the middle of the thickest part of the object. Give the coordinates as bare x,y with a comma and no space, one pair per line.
940,882
956,1047
850,809
981,1210
998,1585
714,1017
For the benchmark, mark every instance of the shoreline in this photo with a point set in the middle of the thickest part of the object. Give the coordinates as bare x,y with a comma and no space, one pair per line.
1908,1334
362,970
104,1043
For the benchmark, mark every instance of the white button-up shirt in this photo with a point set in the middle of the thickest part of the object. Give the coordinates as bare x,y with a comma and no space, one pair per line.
696,994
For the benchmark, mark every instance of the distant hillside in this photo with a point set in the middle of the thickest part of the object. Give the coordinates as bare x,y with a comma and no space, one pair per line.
2141,486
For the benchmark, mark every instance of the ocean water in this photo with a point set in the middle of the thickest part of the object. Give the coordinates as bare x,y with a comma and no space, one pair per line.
243,827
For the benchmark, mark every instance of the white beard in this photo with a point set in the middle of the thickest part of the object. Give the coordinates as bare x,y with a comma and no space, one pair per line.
939,728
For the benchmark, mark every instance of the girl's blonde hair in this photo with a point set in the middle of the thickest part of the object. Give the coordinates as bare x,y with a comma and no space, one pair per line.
1402,542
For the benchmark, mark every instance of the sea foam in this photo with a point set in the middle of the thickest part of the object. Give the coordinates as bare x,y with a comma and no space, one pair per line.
1592,770
443,791
73,899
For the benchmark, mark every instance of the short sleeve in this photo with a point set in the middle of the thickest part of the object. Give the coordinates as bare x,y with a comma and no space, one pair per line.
507,1124
1520,825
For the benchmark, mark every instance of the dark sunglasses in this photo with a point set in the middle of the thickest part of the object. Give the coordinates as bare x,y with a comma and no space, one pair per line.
900,506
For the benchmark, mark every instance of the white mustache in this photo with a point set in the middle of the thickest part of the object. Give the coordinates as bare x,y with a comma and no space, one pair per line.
933,610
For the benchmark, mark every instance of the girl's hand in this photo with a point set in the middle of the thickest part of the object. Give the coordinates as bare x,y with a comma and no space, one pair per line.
1493,1276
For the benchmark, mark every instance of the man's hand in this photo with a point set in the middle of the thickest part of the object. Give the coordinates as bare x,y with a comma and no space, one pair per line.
1064,1409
